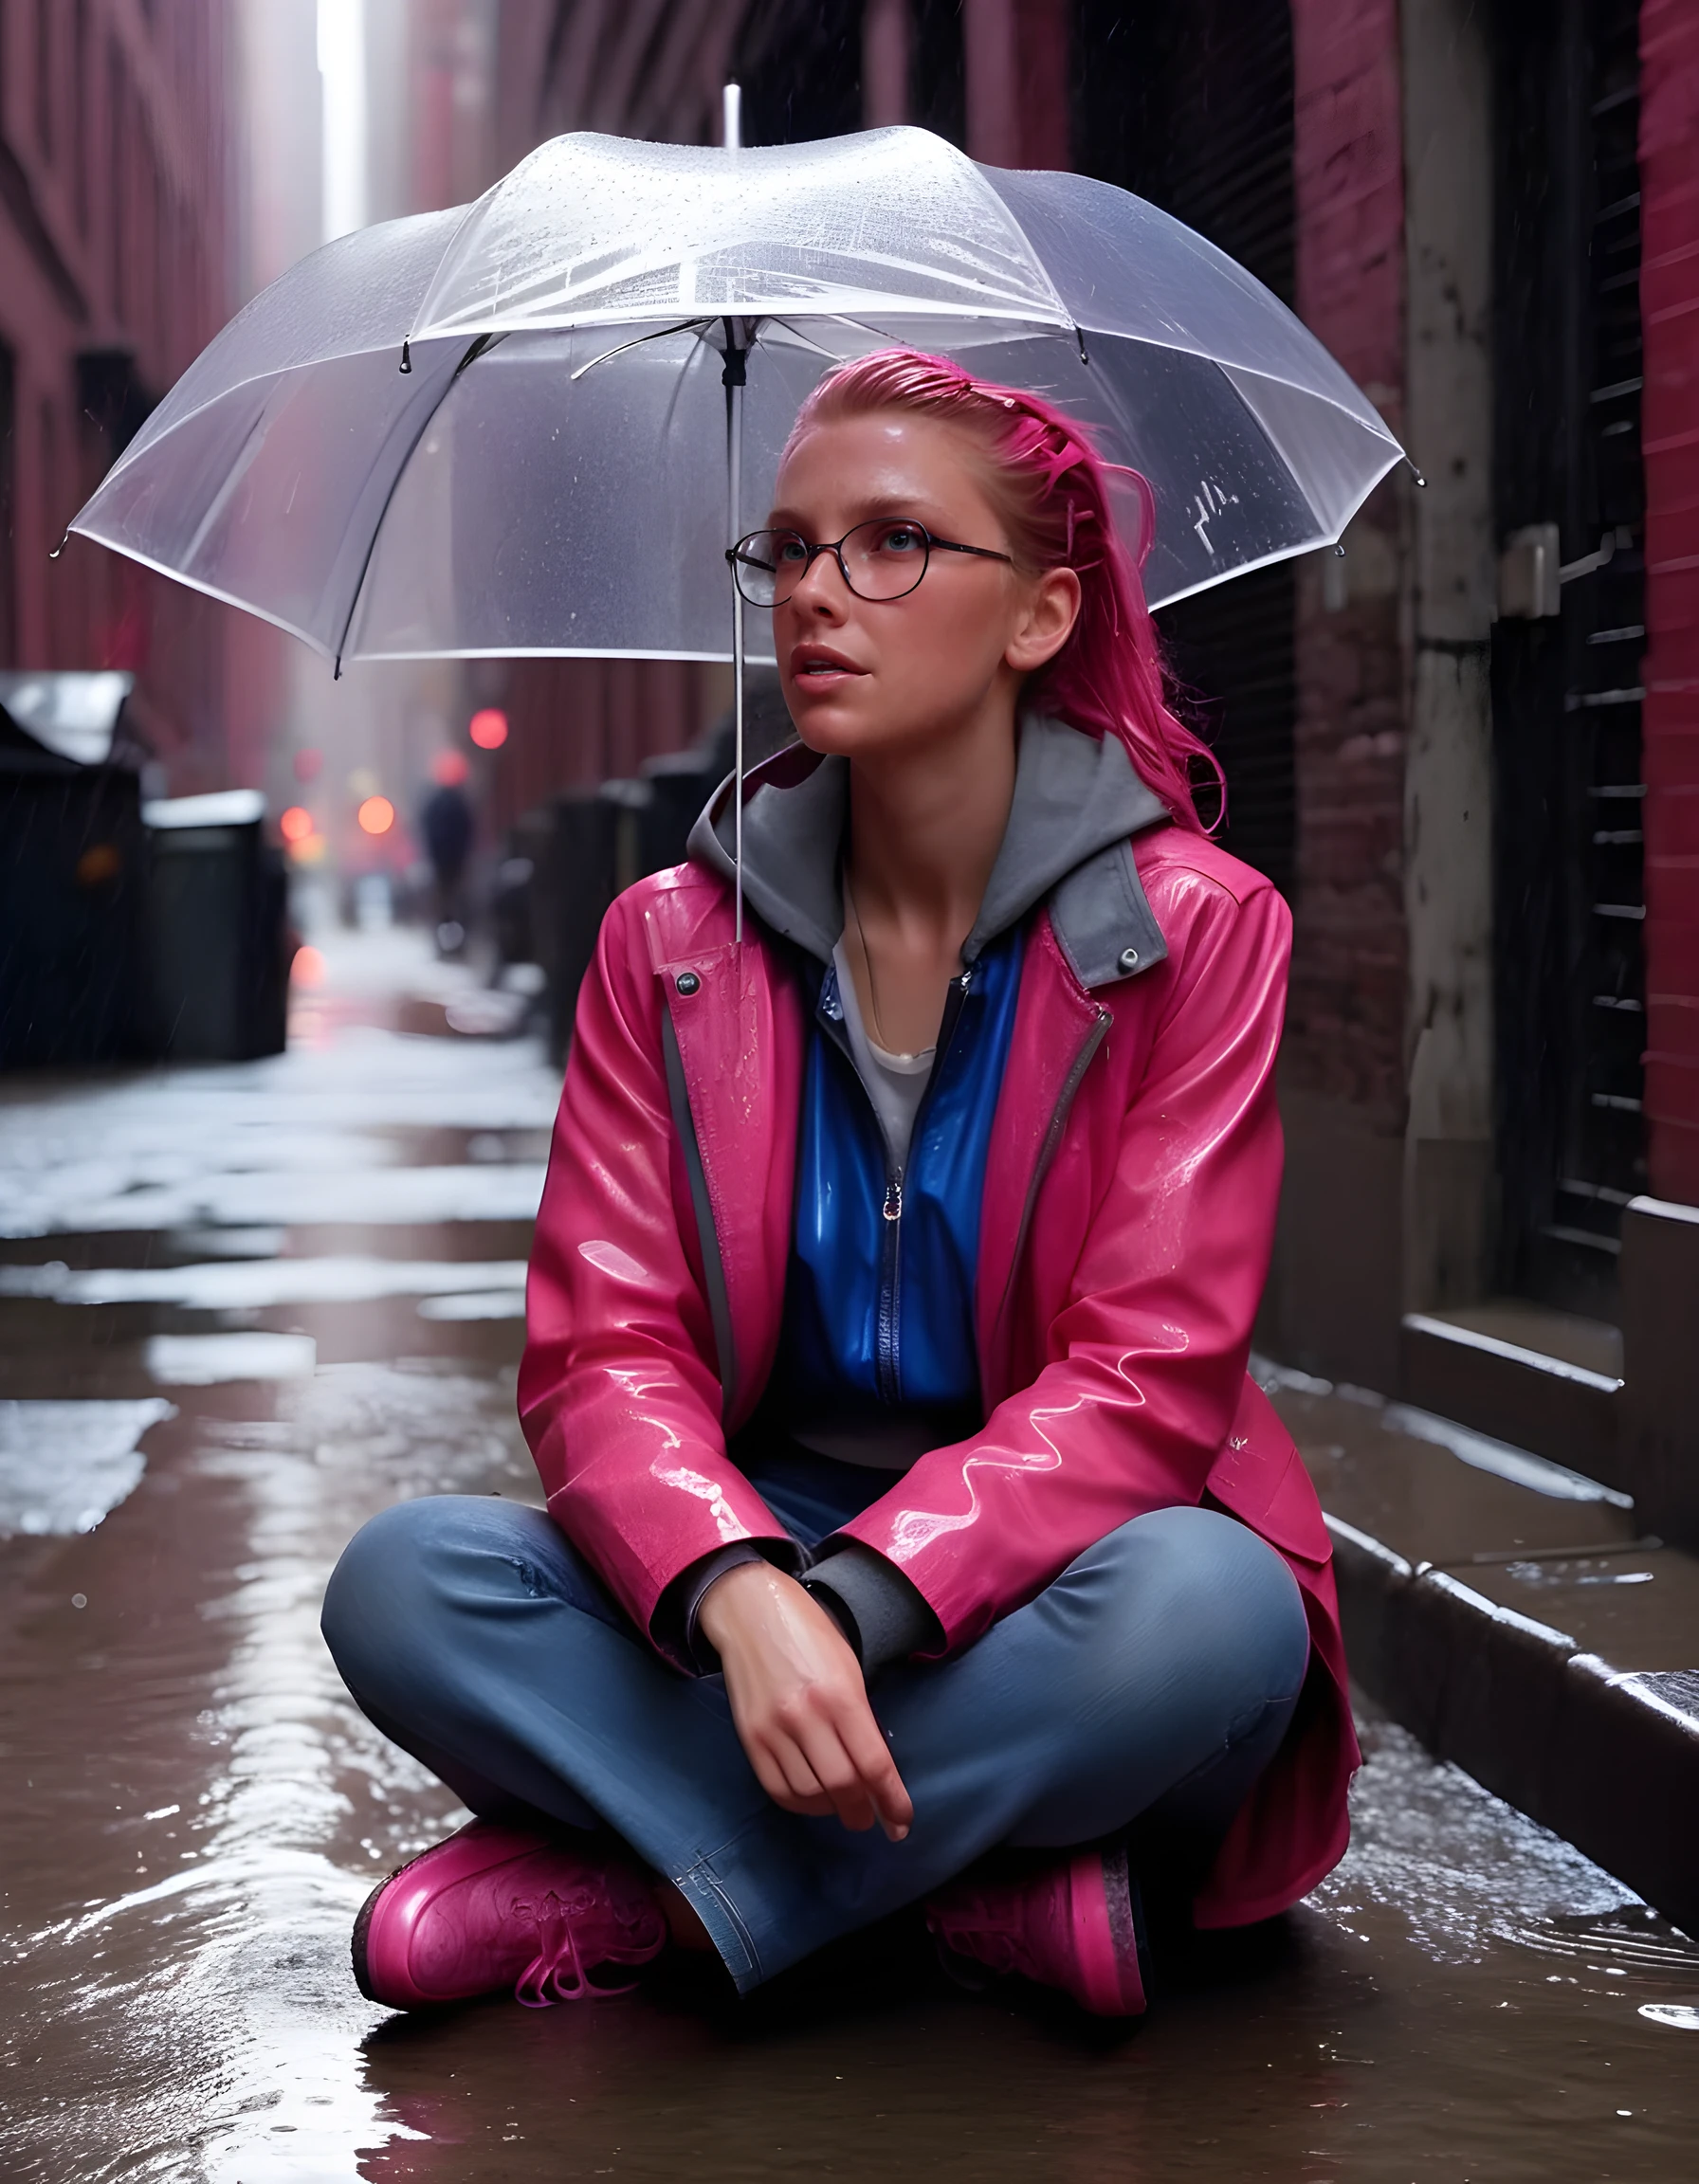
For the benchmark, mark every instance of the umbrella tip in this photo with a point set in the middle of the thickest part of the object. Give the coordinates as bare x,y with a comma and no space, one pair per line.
407,355
731,109
57,549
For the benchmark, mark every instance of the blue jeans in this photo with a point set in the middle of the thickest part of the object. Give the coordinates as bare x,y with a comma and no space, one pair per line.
1154,1677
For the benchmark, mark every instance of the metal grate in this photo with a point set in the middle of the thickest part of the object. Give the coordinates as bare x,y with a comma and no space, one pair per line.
1567,692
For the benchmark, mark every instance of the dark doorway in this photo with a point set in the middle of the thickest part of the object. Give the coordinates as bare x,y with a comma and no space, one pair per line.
1570,900
800,70
1192,108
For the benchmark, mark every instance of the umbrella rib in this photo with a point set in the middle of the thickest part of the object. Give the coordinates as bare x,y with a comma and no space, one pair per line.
660,333
477,349
837,317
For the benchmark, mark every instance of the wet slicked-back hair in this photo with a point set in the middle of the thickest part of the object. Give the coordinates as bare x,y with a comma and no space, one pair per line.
1051,490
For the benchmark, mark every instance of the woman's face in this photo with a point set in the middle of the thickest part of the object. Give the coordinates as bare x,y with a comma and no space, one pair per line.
864,675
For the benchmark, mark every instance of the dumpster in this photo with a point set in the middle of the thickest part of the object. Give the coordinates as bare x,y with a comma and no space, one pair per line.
73,874
218,928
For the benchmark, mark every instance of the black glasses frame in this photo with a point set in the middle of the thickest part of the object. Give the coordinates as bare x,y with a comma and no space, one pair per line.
736,559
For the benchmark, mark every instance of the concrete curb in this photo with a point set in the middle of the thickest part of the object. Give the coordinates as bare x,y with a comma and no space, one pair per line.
1608,1760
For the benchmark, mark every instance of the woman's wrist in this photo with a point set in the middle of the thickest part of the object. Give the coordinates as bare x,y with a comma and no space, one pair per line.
736,1594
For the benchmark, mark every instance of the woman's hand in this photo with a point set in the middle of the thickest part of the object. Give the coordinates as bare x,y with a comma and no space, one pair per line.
800,1703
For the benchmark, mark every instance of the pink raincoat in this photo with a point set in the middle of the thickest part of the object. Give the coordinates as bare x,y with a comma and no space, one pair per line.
1126,1226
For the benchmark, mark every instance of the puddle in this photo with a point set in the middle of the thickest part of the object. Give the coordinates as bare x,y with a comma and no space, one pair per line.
205,1361
476,1304
325,1195
63,1467
192,1809
253,1284
1555,1481
1576,1573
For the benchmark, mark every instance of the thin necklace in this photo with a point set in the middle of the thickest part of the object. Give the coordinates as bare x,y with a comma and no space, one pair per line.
866,957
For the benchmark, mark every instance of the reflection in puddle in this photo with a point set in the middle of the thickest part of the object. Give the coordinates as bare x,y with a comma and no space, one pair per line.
206,1361
322,1196
1464,1870
247,1285
1574,1574
232,1938
476,1304
65,1466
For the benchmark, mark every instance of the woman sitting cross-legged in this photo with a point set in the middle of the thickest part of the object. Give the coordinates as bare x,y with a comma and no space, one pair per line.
908,1502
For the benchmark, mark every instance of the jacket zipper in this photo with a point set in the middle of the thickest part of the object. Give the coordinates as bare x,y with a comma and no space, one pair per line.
886,1344
1046,1151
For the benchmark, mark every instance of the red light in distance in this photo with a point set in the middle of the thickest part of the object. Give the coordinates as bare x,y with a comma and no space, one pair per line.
376,815
489,728
296,824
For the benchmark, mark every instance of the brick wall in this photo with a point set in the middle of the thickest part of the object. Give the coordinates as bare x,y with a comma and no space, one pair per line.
1345,1023
578,722
1669,303
114,244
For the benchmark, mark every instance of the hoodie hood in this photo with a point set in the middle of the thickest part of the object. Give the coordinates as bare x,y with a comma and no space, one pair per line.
1077,803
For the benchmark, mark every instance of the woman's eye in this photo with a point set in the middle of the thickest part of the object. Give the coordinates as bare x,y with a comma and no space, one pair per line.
790,550
902,539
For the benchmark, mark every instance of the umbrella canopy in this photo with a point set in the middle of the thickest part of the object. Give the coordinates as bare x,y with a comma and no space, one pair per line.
504,429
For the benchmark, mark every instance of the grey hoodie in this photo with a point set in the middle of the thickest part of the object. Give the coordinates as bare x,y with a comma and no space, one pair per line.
1077,801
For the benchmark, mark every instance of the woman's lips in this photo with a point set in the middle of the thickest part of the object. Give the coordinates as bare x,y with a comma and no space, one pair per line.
818,664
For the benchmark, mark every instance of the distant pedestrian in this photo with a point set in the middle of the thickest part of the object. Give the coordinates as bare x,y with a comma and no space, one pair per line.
446,826
914,1535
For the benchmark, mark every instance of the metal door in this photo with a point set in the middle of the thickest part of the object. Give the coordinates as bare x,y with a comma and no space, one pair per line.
1570,900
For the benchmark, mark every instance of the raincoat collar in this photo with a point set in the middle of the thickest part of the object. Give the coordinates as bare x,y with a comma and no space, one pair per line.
1077,802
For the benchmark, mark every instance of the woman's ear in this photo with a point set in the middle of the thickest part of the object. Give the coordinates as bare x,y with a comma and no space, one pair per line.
1051,609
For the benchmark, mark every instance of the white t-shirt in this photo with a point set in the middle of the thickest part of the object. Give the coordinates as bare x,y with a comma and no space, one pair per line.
896,1082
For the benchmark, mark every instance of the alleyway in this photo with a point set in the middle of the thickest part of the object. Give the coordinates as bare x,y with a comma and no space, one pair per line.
241,1308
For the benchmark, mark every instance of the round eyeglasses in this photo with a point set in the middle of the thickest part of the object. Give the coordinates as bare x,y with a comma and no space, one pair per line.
881,560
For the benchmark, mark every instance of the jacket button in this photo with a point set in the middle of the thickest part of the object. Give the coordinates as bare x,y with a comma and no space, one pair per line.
687,983
1129,959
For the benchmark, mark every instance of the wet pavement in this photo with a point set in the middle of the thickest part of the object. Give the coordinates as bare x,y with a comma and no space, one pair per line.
243,1308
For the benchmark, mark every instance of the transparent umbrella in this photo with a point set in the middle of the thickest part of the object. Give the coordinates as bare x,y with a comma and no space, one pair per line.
533,425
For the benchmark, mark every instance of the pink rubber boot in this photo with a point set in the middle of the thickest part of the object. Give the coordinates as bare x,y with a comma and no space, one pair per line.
495,1907
1075,1925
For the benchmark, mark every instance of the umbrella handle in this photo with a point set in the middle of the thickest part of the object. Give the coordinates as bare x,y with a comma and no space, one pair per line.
733,376
735,485
732,112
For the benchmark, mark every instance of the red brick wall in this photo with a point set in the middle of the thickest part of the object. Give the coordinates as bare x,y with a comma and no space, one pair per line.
1669,303
114,235
574,721
1345,1023
1016,58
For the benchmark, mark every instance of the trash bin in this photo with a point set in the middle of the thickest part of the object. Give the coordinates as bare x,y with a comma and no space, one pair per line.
73,874
218,929
681,783
605,839
576,879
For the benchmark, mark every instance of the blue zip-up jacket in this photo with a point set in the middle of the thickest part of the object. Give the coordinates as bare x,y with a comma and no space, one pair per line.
879,1306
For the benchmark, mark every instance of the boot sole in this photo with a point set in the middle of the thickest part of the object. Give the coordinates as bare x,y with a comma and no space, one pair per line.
1126,1931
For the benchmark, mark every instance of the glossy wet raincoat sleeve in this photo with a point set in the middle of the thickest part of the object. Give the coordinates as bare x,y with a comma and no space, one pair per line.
619,1393
1143,1366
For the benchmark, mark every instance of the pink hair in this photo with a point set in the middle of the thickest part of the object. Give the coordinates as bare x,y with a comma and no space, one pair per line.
1052,490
